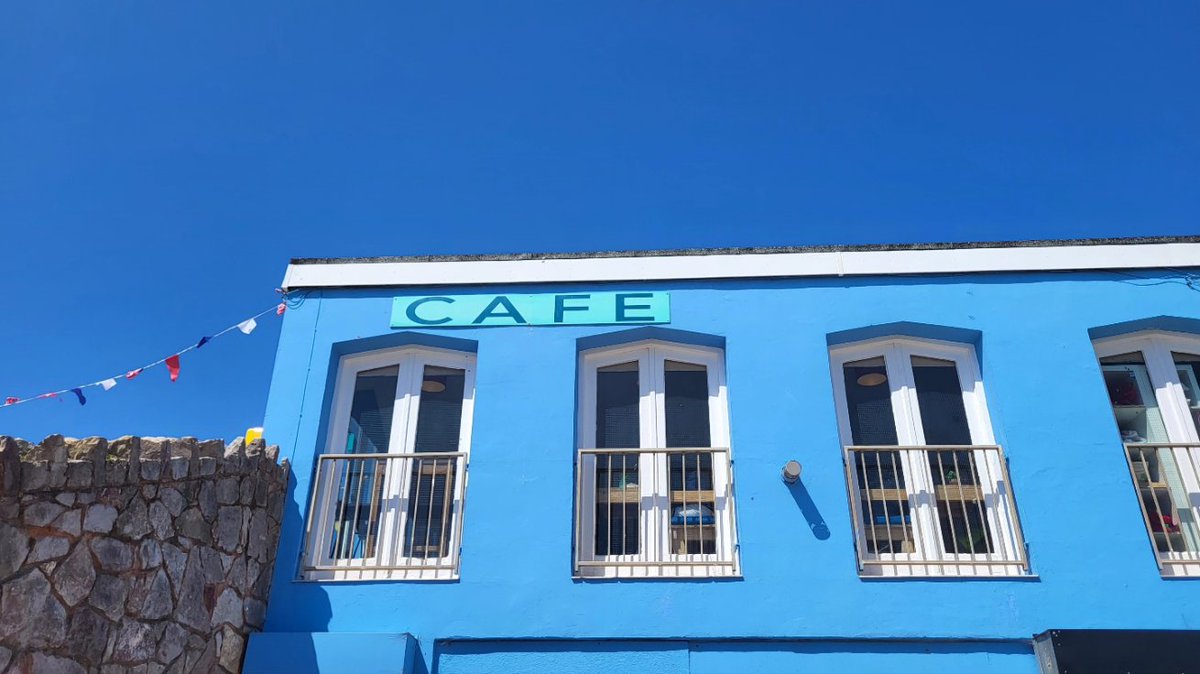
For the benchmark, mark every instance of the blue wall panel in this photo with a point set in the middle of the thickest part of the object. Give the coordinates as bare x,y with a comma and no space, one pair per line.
857,657
329,653
562,657
1088,545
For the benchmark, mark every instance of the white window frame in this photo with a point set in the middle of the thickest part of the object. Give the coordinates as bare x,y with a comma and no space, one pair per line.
1001,515
655,560
1156,348
389,562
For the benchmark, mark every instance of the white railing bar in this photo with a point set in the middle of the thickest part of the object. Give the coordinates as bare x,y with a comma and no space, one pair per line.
585,563
380,567
915,448
404,455
981,476
332,481
1011,498
656,543
946,562
413,507
654,450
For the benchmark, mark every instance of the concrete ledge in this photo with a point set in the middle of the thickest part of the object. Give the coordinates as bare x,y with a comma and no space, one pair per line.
330,653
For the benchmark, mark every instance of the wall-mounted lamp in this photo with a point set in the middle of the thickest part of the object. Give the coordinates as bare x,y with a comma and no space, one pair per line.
791,471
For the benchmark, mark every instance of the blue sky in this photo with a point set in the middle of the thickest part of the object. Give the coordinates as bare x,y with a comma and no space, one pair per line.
161,162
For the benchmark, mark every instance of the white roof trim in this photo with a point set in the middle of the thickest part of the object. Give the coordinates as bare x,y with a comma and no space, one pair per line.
756,265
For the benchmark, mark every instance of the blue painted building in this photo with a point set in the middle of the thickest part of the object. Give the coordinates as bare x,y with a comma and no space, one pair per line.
878,459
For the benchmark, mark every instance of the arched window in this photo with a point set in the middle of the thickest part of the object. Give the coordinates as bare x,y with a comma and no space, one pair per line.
1152,382
929,488
654,491
388,492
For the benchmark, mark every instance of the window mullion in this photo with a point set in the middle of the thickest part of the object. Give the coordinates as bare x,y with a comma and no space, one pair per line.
1172,402
408,399
922,499
654,492
1160,364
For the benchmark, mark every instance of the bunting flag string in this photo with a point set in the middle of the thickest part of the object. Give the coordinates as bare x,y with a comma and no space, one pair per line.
172,361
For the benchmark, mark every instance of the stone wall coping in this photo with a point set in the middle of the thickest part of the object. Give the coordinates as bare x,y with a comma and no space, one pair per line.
58,462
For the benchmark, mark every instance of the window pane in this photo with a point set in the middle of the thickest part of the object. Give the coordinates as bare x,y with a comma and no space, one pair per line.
1132,398
869,402
964,530
617,528
1160,487
686,405
617,395
439,417
430,492
1188,366
883,502
687,425
618,425
371,411
618,499
360,483
693,503
430,495
939,397
960,507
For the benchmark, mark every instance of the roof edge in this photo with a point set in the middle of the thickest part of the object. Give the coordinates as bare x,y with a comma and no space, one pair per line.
751,250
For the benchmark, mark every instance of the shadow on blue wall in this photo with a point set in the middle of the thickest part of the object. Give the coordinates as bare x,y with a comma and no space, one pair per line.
809,509
302,653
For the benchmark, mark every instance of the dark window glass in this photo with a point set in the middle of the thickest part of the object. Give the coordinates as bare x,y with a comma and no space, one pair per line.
439,414
439,421
617,528
618,425
939,396
360,483
1132,396
686,403
1188,367
869,402
371,411
617,398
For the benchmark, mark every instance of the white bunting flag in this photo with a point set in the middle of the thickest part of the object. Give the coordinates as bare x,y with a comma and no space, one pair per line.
172,362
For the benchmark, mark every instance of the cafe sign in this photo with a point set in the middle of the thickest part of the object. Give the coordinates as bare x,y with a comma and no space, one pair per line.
573,308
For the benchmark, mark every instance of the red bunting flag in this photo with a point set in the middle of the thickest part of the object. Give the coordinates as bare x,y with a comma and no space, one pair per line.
173,366
246,327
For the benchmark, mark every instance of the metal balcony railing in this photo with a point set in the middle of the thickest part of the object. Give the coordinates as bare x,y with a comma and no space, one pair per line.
654,513
1165,475
934,510
386,516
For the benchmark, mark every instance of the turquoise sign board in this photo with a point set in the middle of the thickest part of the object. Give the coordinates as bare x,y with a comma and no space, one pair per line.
574,308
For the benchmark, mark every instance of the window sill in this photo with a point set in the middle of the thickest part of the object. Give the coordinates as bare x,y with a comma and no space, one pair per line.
369,575
378,579
656,579
1033,577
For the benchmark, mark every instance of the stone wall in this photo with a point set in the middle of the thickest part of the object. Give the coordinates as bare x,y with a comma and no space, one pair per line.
135,555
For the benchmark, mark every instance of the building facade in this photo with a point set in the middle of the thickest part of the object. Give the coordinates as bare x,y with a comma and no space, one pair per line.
582,462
